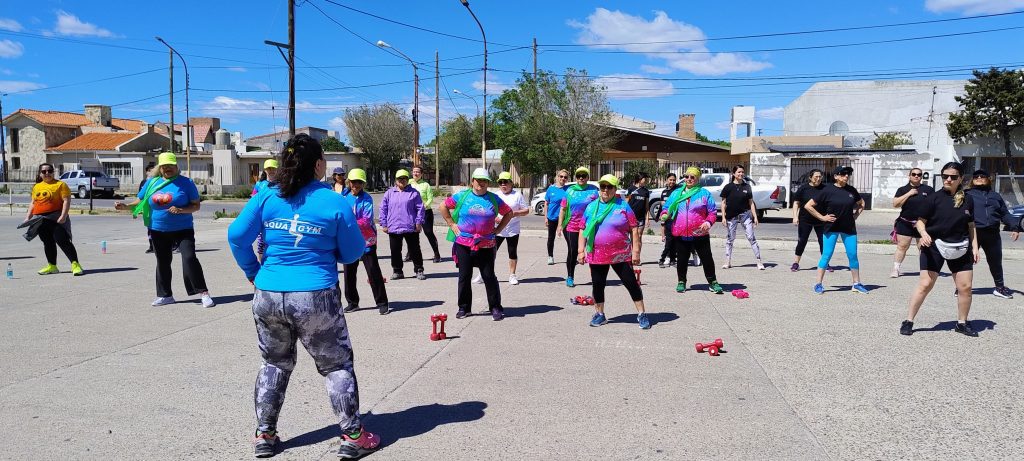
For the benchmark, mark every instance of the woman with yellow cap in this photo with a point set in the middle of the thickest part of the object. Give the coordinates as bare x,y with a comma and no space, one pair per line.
401,217
611,241
267,177
692,211
166,203
362,206
577,197
515,200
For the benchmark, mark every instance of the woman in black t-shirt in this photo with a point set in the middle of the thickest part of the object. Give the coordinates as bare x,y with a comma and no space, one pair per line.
802,219
946,225
843,205
738,208
909,199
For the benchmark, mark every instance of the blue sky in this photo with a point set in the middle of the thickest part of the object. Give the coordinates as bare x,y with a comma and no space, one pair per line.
59,55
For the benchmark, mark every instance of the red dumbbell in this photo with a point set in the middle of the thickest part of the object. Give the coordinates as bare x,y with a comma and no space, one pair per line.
434,319
717,344
441,334
713,351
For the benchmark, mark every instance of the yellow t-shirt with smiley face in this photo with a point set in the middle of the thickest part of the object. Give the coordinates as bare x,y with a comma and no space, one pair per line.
47,198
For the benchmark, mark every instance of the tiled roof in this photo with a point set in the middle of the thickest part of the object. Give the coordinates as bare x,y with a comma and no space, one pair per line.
96,141
73,120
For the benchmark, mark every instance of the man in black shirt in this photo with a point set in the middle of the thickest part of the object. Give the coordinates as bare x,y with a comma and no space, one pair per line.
639,197
842,205
909,199
668,255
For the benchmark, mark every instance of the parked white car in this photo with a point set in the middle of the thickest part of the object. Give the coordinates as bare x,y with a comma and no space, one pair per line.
82,183
537,202
766,197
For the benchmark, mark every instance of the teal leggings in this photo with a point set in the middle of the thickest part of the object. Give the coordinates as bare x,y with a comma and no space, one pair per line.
849,243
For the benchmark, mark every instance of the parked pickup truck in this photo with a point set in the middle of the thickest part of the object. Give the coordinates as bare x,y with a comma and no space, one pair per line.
82,182
766,197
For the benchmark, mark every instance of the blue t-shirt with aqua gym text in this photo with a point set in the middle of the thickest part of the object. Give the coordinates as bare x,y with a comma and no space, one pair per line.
554,196
182,191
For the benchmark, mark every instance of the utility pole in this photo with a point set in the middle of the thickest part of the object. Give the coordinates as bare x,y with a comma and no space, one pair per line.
931,118
416,117
291,68
170,69
535,59
483,137
187,132
437,119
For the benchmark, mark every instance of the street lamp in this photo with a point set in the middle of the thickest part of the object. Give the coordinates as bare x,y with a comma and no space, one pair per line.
415,103
483,153
188,128
470,97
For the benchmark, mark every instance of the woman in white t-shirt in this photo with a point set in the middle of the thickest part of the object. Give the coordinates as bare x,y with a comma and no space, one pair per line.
515,200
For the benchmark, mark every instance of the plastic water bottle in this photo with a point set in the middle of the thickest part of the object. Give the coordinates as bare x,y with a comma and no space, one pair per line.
10,271
103,247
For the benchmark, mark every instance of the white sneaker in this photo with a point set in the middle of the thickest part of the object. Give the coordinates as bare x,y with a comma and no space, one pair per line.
208,301
512,280
551,261
163,301
478,279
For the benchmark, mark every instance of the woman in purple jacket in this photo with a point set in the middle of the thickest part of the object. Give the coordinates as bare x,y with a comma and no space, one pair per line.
401,217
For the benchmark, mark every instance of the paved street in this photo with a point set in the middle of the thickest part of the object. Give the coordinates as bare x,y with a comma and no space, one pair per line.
93,372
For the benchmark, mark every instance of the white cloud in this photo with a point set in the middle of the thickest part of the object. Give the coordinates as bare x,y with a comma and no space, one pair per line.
493,86
615,30
338,123
69,24
10,49
227,106
723,125
972,7
655,69
771,113
14,86
6,71
632,86
235,69
10,24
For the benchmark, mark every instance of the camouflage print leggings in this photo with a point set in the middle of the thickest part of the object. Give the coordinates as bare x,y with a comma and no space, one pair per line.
316,319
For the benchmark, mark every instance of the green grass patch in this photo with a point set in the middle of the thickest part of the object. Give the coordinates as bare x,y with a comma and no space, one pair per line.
880,242
224,214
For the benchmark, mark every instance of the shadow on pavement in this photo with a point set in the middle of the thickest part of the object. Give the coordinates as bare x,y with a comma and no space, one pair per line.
654,317
110,269
204,250
247,297
529,310
11,258
405,305
442,275
398,425
542,280
978,325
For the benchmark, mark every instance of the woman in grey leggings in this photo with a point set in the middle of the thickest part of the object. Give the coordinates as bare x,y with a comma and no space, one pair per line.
308,230
738,208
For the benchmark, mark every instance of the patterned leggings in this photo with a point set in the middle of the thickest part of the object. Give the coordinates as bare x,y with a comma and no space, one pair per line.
748,228
316,319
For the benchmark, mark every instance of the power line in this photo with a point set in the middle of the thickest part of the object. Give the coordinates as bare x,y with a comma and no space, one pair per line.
795,48
803,32
89,81
351,87
423,29
360,37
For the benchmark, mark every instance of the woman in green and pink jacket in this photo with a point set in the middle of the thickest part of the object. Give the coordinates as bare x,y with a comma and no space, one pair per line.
693,211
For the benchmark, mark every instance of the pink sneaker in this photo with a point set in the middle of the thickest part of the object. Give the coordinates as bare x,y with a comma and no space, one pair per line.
367,443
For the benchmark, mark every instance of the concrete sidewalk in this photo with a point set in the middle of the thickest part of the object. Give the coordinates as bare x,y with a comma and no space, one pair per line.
93,372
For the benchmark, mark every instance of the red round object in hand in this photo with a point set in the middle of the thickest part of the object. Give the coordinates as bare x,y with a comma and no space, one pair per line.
162,198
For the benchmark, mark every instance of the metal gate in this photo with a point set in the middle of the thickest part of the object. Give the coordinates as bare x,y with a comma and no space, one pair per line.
861,179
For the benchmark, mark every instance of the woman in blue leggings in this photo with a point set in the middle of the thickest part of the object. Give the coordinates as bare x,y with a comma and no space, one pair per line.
842,205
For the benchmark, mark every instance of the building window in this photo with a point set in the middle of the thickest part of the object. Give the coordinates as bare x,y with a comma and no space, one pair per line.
121,170
15,163
14,141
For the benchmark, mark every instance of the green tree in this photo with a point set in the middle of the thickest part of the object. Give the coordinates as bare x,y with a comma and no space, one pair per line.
384,134
332,144
993,104
720,142
888,140
457,141
650,167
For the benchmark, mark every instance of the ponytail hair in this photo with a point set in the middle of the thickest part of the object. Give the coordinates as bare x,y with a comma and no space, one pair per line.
958,195
298,164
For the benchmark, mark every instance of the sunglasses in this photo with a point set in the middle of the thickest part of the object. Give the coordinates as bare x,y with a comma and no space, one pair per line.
607,187
582,176
950,177
504,181
843,174
563,176
689,176
980,176
916,175
46,171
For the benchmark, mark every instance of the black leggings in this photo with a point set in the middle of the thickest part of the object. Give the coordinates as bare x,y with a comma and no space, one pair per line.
428,230
513,246
572,240
599,274
670,243
804,233
53,235
701,246
163,246
552,227
413,240
992,244
466,259
376,279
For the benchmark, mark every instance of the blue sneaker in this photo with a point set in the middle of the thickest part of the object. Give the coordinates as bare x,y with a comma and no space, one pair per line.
645,323
860,288
598,320
819,289
569,282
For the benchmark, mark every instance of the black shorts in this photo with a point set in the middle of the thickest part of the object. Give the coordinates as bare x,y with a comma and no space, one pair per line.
932,261
906,229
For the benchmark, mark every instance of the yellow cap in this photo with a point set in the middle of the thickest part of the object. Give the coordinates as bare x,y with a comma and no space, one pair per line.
401,174
504,176
357,174
693,171
166,158
609,179
270,163
582,169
